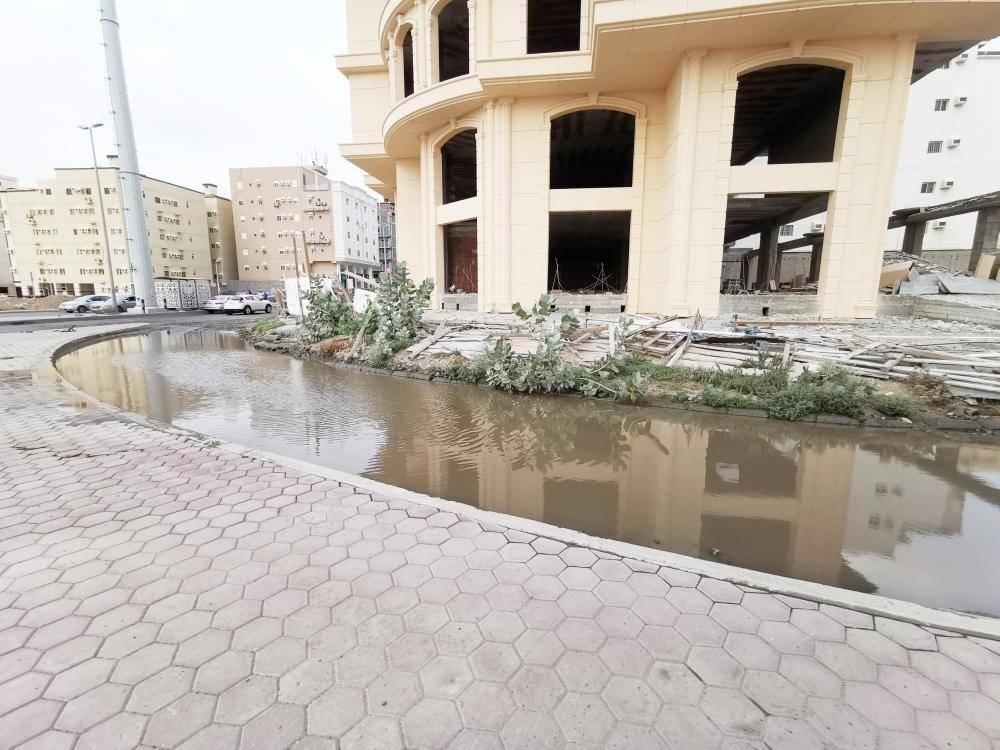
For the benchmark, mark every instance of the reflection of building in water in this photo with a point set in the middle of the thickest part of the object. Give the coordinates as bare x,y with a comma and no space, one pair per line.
785,499
136,387
892,500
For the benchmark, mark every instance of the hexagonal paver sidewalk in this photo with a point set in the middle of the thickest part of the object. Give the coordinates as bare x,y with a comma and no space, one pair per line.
157,591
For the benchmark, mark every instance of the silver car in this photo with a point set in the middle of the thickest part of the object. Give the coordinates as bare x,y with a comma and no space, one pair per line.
82,304
106,305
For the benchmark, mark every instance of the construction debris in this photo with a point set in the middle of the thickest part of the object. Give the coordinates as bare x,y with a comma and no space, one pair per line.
911,275
968,365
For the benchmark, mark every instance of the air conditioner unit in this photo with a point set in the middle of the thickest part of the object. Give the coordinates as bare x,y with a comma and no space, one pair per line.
947,184
962,58
817,226
960,101
954,142
939,224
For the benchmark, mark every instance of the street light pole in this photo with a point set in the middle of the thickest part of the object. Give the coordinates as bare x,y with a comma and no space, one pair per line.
104,218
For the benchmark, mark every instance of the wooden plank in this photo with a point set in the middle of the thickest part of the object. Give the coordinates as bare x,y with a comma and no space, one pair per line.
417,350
859,352
687,340
361,333
766,322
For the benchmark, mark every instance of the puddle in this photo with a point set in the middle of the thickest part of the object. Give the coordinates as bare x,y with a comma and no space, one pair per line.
909,515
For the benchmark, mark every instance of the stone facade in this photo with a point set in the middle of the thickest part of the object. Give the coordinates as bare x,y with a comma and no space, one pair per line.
675,72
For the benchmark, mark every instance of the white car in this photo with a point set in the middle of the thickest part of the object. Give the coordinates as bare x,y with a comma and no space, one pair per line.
246,304
82,304
216,304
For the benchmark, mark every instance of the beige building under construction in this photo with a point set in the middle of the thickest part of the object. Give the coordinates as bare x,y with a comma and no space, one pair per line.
611,149
54,233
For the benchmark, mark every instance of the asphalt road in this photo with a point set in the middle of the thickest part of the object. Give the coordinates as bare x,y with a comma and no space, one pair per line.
52,320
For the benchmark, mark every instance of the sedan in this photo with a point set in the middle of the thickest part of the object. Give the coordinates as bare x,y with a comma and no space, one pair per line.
246,304
106,305
82,304
216,304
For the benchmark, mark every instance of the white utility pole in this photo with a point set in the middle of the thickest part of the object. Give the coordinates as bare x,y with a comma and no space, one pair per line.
100,207
128,161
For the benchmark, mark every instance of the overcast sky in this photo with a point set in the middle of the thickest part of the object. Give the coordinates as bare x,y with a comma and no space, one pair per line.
213,84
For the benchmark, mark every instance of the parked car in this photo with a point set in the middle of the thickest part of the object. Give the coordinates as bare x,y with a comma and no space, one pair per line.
246,304
106,305
216,304
82,304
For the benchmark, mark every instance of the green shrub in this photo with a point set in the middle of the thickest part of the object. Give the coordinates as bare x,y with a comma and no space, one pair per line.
720,399
268,324
892,405
329,316
398,309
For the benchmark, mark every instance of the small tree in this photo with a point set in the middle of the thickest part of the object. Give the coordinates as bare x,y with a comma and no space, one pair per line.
398,306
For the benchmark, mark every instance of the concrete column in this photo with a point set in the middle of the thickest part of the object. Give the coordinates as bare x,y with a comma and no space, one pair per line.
472,36
679,240
420,48
815,260
501,207
768,259
76,289
913,238
395,94
987,236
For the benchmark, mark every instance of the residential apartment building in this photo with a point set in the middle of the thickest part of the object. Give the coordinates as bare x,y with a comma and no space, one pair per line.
355,229
615,148
54,232
950,149
293,220
386,234
221,238
6,269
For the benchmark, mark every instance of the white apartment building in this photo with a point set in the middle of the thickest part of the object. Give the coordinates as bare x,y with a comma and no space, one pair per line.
293,220
355,229
951,148
387,234
54,232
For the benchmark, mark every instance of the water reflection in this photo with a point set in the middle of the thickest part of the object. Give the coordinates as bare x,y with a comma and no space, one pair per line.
911,516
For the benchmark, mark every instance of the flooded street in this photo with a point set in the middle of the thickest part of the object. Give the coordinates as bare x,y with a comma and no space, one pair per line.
912,516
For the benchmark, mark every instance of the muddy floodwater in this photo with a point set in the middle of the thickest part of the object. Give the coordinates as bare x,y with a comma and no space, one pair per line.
914,516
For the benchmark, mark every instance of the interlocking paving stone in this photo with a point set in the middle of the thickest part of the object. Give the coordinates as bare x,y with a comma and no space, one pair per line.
168,593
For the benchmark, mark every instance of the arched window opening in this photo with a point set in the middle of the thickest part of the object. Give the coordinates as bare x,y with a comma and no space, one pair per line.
553,26
787,114
458,167
408,63
453,40
592,148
